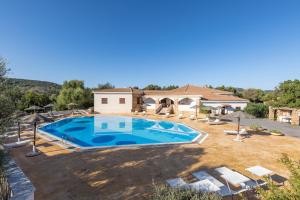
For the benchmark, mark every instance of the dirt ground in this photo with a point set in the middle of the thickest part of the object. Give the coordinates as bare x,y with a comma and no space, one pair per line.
128,173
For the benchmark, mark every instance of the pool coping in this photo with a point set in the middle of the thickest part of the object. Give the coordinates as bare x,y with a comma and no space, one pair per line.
63,143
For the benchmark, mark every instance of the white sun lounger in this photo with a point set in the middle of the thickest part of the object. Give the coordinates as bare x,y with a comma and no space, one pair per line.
204,119
177,183
224,190
17,144
242,132
236,178
215,122
192,117
204,186
260,172
180,116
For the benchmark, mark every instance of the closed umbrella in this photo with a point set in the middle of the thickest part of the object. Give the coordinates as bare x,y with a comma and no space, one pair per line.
196,109
17,115
239,115
34,119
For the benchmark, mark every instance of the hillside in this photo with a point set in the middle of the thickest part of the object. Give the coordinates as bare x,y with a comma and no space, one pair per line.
34,85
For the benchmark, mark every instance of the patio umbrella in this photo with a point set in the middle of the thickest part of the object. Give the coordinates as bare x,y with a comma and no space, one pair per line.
49,106
239,115
196,108
34,119
33,108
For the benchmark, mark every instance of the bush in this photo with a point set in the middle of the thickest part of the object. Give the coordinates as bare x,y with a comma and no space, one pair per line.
163,192
275,131
290,191
255,127
257,109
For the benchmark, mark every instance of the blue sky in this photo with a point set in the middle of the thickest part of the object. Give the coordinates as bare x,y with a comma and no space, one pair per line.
249,43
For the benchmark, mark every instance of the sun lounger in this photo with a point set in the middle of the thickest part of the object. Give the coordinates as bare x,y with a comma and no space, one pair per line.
204,119
260,172
180,116
204,186
192,117
242,132
224,190
17,144
177,183
215,122
236,178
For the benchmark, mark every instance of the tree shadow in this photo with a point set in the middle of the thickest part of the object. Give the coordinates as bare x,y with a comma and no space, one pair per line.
118,173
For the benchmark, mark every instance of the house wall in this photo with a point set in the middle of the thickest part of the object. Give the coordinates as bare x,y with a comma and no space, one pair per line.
234,105
278,114
113,105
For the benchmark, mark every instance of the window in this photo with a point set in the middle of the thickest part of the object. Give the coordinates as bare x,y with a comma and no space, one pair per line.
104,100
122,100
122,124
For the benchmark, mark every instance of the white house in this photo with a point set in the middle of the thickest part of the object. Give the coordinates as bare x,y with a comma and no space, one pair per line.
181,100
117,100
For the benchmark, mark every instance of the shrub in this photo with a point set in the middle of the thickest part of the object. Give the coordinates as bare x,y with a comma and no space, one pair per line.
163,192
255,127
257,109
291,190
275,131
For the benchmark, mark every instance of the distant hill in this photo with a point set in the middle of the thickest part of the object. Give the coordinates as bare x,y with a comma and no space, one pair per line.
35,85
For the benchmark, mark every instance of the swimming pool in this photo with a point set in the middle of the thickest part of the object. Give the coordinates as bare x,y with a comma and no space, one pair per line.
111,131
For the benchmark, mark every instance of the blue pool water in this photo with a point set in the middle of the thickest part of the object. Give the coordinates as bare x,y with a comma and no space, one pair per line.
107,131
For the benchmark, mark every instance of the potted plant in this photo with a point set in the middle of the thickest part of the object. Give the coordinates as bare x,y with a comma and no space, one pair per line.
276,133
255,127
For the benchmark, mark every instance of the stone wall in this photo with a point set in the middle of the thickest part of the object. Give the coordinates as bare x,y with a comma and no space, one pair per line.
293,113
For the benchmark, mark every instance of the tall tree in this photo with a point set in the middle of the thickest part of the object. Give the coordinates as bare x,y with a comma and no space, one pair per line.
6,104
73,92
286,94
170,87
254,95
106,85
152,87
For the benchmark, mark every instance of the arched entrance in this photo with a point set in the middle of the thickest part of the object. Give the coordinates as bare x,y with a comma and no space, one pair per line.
166,102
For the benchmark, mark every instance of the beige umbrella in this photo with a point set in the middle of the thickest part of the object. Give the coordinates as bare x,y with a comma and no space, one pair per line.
34,119
33,108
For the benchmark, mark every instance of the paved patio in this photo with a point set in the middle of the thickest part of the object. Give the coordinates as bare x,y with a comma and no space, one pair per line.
285,128
128,173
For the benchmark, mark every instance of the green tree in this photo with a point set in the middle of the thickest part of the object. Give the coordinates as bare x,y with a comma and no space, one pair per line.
106,85
6,104
229,89
254,95
152,87
291,190
31,98
73,92
257,109
286,94
170,87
